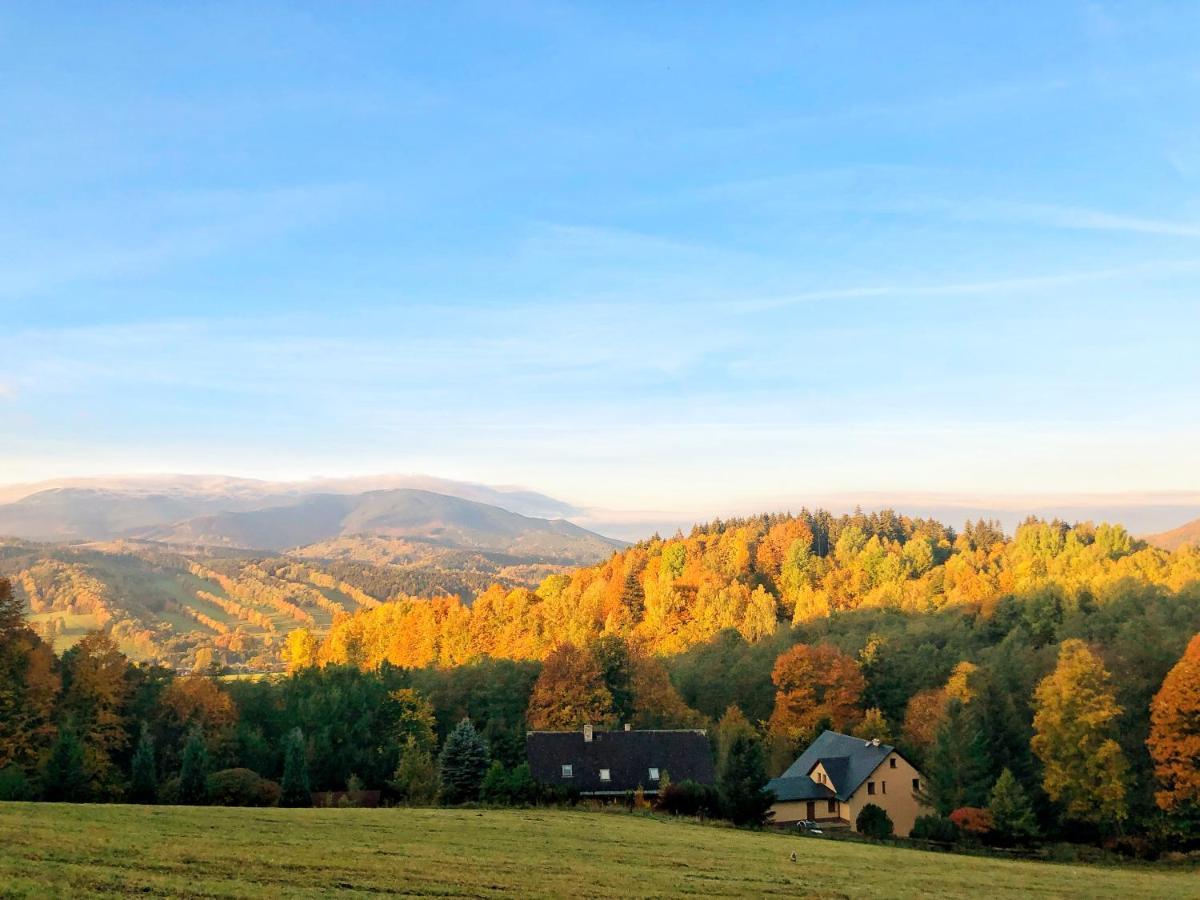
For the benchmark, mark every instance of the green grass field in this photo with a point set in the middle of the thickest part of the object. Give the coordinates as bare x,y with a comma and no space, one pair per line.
59,850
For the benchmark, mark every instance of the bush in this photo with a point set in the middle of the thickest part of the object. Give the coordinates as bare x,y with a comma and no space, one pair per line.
687,798
168,791
972,820
935,828
510,787
14,785
874,822
241,787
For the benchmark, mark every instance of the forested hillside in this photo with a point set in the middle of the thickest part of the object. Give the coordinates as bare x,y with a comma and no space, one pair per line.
1044,683
189,608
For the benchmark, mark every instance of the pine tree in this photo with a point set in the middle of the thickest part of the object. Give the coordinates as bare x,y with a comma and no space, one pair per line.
193,776
1075,725
955,770
295,792
633,598
741,782
12,609
143,786
464,764
65,777
1012,813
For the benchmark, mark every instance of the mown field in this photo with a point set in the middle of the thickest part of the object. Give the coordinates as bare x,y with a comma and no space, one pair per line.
60,850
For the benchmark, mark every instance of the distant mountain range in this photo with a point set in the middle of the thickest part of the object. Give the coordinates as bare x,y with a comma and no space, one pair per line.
234,513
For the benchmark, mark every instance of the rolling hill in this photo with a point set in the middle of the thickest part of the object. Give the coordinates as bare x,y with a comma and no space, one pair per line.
438,519
1185,535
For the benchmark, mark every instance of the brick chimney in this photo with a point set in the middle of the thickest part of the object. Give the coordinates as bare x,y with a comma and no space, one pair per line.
587,732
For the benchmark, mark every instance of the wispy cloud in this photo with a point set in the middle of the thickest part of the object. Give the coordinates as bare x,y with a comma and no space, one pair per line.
133,235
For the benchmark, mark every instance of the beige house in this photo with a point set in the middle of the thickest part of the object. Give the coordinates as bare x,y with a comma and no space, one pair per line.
838,775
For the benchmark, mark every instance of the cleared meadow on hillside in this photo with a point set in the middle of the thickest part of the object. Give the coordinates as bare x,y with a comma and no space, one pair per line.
62,850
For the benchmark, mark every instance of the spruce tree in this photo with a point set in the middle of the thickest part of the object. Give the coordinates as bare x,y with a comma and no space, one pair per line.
193,776
143,787
956,770
1012,813
742,780
295,791
64,777
464,764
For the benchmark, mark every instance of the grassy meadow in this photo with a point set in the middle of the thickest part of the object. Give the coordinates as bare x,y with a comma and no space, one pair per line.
63,850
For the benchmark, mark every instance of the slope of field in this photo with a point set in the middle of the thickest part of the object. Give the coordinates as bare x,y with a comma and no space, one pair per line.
60,850
1185,535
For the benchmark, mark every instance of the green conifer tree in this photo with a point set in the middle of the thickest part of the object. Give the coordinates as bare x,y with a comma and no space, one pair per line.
193,775
64,777
956,769
143,787
464,763
741,782
294,790
1012,813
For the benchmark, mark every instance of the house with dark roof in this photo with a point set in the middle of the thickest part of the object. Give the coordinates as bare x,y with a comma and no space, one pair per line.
613,763
838,775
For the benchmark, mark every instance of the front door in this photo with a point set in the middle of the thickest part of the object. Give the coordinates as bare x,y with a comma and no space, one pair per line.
812,810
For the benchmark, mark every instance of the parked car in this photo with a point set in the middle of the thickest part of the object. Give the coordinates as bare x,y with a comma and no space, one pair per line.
808,826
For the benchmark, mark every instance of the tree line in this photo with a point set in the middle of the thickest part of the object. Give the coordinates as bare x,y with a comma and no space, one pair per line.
1045,680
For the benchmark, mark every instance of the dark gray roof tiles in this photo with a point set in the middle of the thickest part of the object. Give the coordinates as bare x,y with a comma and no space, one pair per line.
847,760
627,755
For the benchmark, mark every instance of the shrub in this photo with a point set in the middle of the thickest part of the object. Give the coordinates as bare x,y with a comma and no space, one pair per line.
935,828
168,791
874,822
687,798
972,820
241,787
14,785
509,787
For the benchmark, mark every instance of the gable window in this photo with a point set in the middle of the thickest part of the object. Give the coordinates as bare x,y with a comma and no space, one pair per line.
653,774
916,784
605,775
568,772
871,788
892,762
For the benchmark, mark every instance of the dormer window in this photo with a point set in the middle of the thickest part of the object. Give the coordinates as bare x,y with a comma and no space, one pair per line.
653,774
605,775
568,771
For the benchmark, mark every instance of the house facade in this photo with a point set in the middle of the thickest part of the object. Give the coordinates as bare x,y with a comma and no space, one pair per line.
838,775
609,764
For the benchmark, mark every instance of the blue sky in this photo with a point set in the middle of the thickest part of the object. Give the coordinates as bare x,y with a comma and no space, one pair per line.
639,255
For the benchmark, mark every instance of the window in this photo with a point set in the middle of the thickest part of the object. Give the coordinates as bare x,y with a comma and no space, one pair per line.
916,784
568,771
605,775
871,787
884,785
653,774
892,762
833,806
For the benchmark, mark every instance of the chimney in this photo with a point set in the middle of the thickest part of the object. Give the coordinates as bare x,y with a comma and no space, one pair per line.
874,742
587,732
628,727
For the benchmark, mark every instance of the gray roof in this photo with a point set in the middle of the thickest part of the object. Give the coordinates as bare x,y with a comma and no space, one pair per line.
799,788
847,760
684,754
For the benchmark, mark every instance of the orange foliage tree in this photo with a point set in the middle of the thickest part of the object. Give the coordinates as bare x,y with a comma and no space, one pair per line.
815,684
570,692
1174,740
